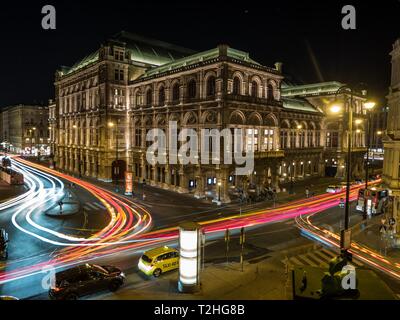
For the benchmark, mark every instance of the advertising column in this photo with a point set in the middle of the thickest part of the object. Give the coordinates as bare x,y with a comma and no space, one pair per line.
189,262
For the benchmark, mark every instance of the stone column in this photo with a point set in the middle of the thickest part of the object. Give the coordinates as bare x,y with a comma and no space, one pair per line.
183,181
222,177
88,171
61,159
321,168
153,175
341,168
143,165
199,192
167,183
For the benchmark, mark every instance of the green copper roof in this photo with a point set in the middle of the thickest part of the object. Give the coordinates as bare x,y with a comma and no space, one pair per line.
82,63
151,51
143,50
311,89
200,57
298,105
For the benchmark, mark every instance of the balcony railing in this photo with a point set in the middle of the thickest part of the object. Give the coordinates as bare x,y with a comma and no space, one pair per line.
269,154
250,99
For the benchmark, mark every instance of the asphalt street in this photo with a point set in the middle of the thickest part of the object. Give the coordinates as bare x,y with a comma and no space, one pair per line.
277,240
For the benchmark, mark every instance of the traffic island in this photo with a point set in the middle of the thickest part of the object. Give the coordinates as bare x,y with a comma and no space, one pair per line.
67,206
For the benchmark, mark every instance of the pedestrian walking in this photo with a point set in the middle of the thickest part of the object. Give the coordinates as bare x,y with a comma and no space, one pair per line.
304,281
60,203
307,192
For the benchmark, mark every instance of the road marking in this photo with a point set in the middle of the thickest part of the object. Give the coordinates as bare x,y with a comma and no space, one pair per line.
295,261
317,258
99,205
308,260
91,206
323,257
85,222
328,253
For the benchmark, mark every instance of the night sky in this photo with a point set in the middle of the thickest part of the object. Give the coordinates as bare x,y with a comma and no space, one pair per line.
306,36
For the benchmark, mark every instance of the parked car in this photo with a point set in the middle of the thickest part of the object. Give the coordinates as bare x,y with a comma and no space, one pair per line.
3,244
85,279
335,188
8,298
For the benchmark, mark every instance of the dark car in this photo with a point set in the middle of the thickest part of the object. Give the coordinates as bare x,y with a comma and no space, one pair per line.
84,280
3,244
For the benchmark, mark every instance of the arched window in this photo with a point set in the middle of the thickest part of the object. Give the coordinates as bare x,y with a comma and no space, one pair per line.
236,86
254,89
211,86
310,141
137,99
283,139
161,96
270,92
192,89
149,97
175,92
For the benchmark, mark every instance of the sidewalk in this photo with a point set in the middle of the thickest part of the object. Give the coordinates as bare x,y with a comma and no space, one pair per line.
8,191
261,281
374,239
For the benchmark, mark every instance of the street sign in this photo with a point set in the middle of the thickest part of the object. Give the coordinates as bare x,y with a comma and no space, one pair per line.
345,239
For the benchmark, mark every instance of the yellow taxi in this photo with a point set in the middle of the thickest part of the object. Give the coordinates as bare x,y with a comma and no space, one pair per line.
159,260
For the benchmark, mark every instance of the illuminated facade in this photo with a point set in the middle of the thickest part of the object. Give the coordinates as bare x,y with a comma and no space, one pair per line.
131,85
25,129
392,137
93,94
333,127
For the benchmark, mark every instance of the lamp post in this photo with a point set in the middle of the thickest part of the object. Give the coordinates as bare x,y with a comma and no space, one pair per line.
345,235
219,191
378,133
116,168
34,136
368,106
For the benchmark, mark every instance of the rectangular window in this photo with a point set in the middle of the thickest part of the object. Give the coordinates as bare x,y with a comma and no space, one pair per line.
138,136
328,140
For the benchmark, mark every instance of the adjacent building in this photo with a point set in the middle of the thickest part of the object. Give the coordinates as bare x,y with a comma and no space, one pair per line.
391,164
334,126
25,129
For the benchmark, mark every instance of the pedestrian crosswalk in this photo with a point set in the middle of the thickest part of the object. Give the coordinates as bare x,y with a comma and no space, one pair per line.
316,258
93,206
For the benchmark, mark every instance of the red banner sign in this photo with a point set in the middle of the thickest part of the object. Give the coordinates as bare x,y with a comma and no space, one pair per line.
128,183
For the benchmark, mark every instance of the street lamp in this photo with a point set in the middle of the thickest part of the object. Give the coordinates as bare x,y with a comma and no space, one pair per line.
369,105
378,133
345,239
219,191
291,178
116,168
358,121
